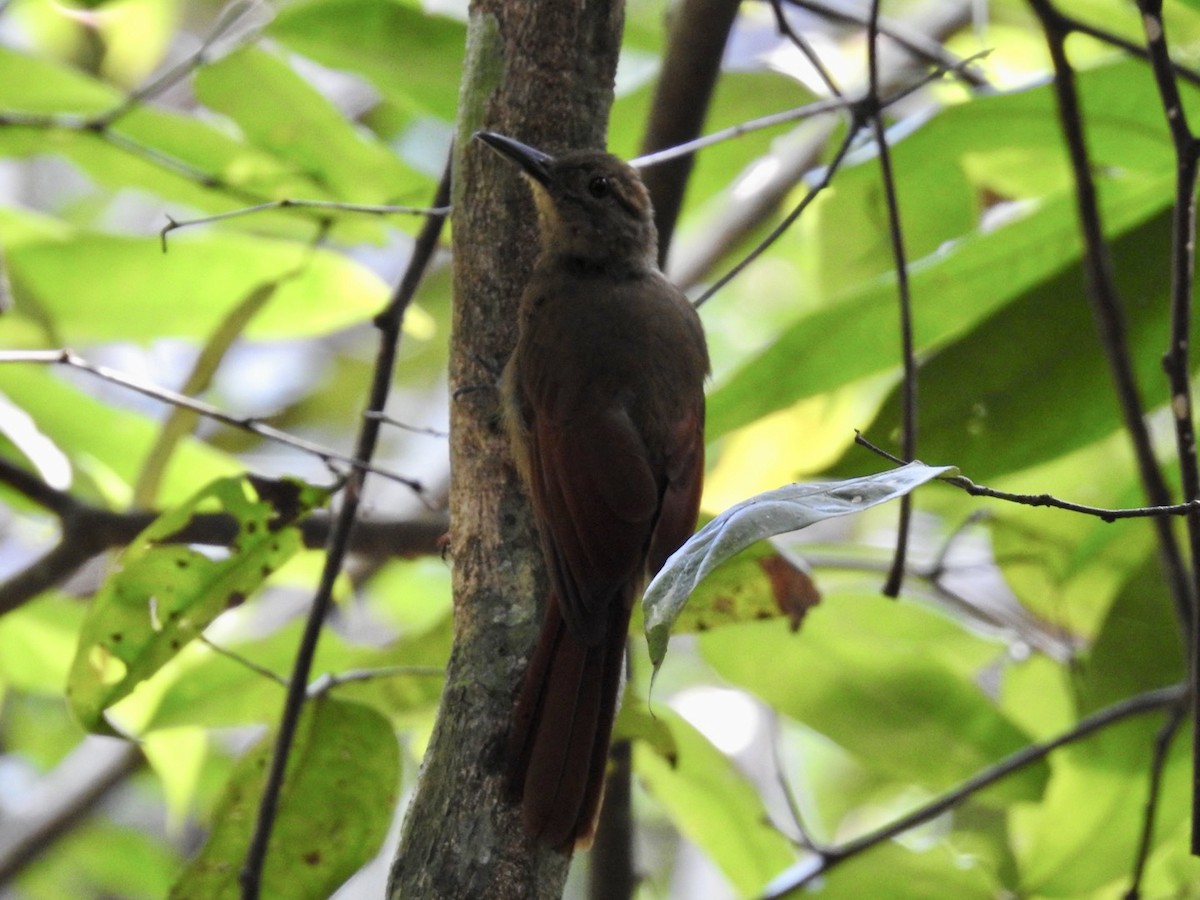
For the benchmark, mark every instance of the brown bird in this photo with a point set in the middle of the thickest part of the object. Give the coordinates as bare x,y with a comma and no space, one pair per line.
604,405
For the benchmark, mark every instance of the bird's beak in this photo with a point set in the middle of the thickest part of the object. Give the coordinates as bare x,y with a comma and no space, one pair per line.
534,163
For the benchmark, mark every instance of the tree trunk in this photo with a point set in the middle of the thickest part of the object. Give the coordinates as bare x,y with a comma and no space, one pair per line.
541,71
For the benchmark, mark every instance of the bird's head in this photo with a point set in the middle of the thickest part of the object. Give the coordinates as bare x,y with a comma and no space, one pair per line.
591,205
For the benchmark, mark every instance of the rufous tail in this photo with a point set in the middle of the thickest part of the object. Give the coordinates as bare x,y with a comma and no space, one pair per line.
561,727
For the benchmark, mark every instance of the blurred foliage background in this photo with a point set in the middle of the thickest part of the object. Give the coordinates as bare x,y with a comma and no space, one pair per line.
120,118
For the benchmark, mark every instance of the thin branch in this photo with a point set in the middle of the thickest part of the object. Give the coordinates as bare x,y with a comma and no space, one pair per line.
389,324
1107,312
1176,361
101,122
797,114
327,205
1070,23
919,45
682,96
805,48
36,490
1106,514
71,359
229,17
404,426
806,840
809,870
908,440
795,160
65,797
778,231
89,530
1162,747
245,662
331,680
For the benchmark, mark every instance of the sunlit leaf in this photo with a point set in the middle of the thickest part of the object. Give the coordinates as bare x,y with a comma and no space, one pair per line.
136,292
715,806
1138,649
341,783
287,117
370,37
865,673
935,873
102,441
953,292
163,595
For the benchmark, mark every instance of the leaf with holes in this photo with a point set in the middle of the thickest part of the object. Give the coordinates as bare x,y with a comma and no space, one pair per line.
163,594
784,509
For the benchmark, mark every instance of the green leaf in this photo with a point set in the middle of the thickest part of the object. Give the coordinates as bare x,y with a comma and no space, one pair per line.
166,153
775,512
37,86
370,37
1096,782
217,691
984,399
952,294
853,331
163,595
287,117
103,443
337,801
100,858
900,873
866,673
36,641
136,292
715,807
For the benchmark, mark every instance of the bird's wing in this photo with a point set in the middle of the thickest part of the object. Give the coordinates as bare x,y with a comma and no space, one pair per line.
597,500
680,502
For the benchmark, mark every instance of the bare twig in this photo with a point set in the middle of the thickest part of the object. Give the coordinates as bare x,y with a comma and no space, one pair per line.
797,156
1162,747
88,530
682,97
244,662
799,113
1106,514
322,205
805,48
908,438
913,40
810,869
861,112
404,426
1176,361
69,358
1070,23
778,231
389,323
1107,312
806,839
229,18
331,680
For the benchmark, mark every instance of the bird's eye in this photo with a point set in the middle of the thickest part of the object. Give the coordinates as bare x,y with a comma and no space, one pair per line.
599,187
